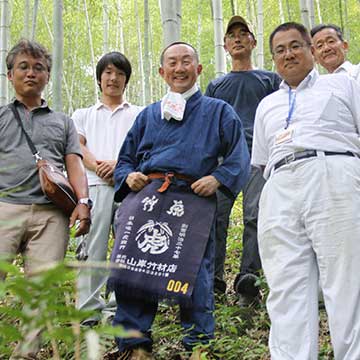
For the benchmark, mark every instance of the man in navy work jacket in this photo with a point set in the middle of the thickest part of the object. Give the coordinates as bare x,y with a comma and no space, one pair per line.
177,140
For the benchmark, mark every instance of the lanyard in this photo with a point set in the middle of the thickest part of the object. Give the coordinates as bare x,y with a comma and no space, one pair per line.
292,99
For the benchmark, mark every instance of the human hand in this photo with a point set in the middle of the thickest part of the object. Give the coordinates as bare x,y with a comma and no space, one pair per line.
105,168
137,181
206,186
81,213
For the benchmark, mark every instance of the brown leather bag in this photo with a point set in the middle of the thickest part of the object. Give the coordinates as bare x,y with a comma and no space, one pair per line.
56,186
54,183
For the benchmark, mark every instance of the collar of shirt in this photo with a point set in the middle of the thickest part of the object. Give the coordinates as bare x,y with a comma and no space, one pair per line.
44,104
173,104
100,105
346,66
308,81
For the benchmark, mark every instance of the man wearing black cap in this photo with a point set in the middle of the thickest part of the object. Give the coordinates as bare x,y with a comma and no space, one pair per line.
243,88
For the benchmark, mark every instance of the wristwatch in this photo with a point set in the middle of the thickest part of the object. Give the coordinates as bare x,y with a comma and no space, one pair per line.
86,201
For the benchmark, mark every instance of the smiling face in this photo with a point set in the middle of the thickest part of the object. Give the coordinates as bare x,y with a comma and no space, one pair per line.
292,56
29,76
239,42
329,49
180,68
112,81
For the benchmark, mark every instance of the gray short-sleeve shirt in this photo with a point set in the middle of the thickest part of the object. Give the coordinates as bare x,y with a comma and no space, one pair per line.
54,136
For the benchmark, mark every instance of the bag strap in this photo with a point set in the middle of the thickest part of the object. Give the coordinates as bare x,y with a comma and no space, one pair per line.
28,139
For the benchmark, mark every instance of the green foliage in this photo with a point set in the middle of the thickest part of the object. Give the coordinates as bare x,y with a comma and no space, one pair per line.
47,300
197,28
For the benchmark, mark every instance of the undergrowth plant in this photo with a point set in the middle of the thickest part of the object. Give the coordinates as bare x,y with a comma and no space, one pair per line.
46,301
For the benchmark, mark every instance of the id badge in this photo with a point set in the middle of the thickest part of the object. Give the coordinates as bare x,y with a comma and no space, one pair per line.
284,135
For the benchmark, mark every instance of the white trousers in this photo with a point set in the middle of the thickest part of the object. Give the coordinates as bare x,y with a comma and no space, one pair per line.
309,227
91,282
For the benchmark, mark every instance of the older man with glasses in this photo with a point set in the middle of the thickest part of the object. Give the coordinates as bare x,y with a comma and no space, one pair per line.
306,139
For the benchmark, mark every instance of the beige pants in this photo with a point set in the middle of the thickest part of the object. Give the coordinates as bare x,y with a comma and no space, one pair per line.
39,232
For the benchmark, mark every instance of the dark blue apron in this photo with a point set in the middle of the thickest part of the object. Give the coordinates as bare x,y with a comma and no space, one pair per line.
160,242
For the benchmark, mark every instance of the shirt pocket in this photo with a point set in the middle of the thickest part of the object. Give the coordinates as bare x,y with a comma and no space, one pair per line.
53,136
54,132
335,114
329,107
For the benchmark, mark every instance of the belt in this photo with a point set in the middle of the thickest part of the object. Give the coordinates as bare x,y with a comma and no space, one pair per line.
307,154
169,178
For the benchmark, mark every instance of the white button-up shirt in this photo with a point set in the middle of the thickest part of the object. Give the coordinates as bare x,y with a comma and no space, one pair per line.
351,69
326,117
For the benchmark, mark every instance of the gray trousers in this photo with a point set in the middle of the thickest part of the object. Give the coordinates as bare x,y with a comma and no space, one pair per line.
91,282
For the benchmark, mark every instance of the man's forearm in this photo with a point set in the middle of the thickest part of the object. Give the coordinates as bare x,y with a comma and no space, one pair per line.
76,175
89,159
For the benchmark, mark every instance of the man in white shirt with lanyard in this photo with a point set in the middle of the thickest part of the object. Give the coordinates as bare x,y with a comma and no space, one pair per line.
330,49
102,129
307,141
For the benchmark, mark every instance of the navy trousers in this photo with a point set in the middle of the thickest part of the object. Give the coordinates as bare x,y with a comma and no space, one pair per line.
224,206
197,321
250,261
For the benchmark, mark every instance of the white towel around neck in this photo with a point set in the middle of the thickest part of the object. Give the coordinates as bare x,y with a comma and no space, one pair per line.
173,103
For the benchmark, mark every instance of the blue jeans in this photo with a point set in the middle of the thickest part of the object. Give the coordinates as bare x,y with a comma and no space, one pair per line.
197,321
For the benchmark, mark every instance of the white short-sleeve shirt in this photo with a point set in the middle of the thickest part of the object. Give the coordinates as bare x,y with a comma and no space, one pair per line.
104,130
326,117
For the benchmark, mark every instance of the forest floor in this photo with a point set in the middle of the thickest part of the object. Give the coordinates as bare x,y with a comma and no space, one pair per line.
241,333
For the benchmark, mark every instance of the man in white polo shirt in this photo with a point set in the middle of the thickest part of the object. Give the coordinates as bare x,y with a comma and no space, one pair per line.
306,139
102,129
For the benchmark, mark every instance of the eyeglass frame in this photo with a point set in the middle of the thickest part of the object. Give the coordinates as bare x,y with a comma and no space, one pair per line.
294,48
25,67
242,34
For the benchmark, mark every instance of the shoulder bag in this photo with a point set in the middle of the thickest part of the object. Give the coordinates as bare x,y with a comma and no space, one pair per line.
54,183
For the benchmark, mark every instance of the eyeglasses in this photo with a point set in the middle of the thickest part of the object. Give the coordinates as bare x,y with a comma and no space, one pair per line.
241,34
25,67
294,48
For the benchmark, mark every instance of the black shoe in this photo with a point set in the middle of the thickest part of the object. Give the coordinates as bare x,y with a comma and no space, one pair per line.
245,285
219,286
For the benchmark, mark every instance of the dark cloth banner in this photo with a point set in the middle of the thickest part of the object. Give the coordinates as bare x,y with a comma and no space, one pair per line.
160,240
